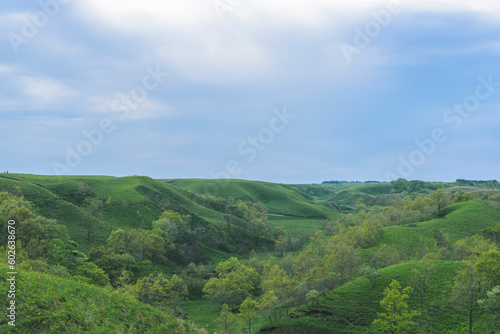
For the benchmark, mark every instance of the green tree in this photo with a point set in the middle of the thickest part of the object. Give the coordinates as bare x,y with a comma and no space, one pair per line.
177,293
114,264
227,322
400,185
468,288
248,311
344,260
268,304
371,274
493,233
492,303
117,241
488,265
275,279
420,204
234,283
174,224
313,296
422,279
93,272
397,318
440,199
161,291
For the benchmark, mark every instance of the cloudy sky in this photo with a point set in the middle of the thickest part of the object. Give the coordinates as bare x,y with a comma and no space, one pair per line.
284,91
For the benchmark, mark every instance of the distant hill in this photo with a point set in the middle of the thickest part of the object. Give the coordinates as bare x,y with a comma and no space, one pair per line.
463,220
129,202
137,201
280,199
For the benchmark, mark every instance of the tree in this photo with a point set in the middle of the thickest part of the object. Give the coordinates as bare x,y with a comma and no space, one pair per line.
420,204
114,264
117,241
93,272
248,310
174,224
268,304
493,233
344,260
422,279
468,288
161,291
275,279
371,274
441,199
227,322
234,282
488,265
400,185
397,318
313,296
177,293
492,302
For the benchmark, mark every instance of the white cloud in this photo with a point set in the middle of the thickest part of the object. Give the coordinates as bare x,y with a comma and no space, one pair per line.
134,16
5,68
43,88
143,110
190,37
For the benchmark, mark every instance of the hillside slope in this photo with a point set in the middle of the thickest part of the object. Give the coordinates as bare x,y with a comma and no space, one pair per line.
50,304
280,199
463,220
352,307
133,202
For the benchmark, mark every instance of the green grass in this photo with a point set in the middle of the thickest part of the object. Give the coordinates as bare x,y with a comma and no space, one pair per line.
296,226
278,198
352,307
204,313
368,188
49,304
135,202
464,220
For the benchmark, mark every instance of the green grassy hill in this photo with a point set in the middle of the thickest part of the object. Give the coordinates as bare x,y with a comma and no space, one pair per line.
137,201
133,202
279,199
352,307
463,220
50,304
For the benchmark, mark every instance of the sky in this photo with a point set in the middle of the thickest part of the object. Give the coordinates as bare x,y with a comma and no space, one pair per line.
280,91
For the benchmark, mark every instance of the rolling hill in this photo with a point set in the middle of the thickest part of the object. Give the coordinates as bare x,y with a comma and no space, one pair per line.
51,304
280,199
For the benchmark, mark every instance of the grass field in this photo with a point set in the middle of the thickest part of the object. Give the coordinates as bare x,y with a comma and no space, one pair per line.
134,202
352,307
463,220
278,198
49,304
296,226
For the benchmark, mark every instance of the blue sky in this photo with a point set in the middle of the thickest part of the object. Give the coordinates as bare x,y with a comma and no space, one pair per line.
223,77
